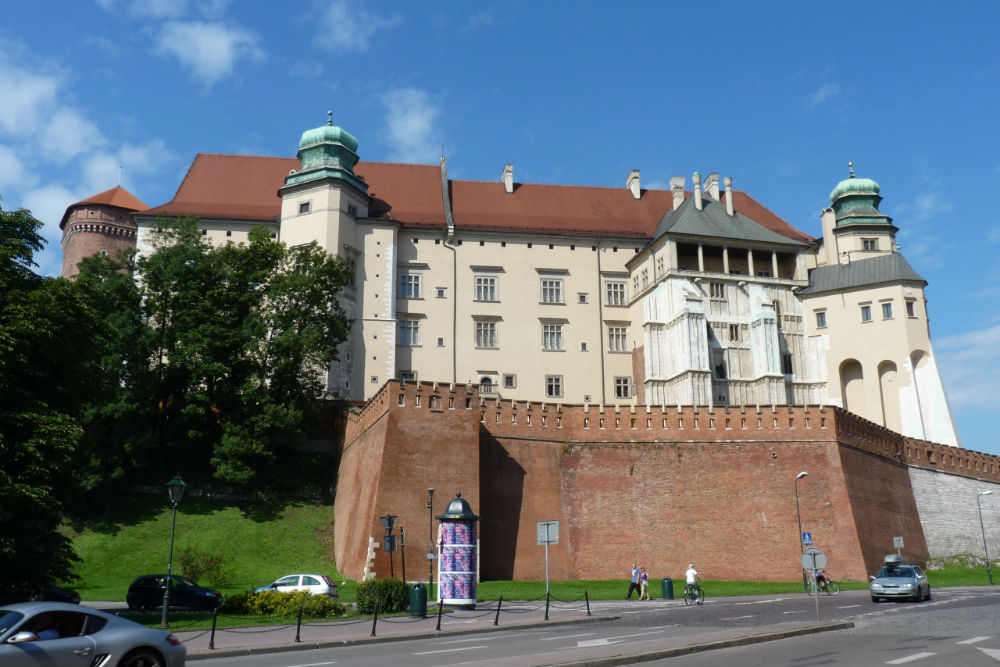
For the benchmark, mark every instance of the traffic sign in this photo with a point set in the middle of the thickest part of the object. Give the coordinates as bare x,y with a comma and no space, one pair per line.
897,542
807,539
813,559
548,532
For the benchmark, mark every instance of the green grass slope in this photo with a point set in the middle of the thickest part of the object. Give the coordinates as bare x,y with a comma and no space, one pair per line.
257,546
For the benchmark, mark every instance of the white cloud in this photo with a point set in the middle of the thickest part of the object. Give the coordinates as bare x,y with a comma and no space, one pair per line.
210,50
345,26
27,98
411,117
964,360
825,92
101,171
67,135
11,170
154,9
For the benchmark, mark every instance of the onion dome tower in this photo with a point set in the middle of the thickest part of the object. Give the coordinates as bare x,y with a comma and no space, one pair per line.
855,201
99,224
327,151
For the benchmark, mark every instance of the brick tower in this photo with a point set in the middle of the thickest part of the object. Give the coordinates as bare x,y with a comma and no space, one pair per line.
99,224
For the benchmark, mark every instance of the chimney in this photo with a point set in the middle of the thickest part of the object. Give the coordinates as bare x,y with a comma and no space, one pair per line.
728,182
632,183
712,185
697,190
508,178
677,187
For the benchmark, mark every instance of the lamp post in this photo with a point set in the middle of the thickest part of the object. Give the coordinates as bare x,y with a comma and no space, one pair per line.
989,570
175,488
430,542
389,541
798,514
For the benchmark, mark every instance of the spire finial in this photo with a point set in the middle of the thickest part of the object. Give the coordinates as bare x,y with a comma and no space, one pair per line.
851,166
329,118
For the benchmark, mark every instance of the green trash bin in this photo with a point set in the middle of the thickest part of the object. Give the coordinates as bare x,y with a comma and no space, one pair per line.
418,600
668,588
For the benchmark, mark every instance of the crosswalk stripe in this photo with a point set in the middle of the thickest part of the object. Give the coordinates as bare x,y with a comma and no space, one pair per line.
910,658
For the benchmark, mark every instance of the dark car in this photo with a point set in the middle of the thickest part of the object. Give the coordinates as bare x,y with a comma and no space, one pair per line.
146,592
29,593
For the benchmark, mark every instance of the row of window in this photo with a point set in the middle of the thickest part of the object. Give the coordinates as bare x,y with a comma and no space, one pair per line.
555,386
866,312
486,336
551,290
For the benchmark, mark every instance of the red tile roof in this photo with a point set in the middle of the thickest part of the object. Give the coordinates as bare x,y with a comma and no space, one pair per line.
116,196
241,187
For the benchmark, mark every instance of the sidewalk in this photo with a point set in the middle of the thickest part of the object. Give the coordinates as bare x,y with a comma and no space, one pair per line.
513,615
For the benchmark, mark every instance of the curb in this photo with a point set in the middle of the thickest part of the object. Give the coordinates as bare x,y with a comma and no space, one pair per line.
708,646
207,654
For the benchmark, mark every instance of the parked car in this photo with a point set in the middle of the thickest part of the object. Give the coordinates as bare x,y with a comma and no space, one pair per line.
58,633
317,584
146,592
29,593
897,579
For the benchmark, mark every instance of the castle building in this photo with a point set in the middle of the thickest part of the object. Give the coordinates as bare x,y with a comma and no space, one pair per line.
581,295
100,224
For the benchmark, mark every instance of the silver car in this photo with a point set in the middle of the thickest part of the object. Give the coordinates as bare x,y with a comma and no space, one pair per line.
900,580
68,635
317,584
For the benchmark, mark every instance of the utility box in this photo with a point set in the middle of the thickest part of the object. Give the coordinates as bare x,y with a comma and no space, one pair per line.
668,588
418,600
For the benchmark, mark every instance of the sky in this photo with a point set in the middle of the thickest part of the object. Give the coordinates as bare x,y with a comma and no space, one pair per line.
779,95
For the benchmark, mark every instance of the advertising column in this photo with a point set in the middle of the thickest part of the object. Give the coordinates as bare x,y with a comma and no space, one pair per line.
457,545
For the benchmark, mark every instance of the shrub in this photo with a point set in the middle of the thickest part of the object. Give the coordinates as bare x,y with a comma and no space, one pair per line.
389,595
196,565
277,603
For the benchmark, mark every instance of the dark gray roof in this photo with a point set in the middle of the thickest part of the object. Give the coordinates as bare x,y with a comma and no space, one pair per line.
713,221
889,268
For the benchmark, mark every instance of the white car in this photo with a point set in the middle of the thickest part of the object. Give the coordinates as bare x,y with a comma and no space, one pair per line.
317,584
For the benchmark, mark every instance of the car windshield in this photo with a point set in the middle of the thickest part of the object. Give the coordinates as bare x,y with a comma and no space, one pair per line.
896,571
9,619
181,580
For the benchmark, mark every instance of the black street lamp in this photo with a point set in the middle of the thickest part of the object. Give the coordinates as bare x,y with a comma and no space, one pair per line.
430,541
797,512
989,570
389,541
175,488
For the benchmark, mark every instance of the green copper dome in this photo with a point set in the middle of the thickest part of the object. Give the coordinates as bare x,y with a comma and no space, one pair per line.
328,133
852,185
327,151
855,202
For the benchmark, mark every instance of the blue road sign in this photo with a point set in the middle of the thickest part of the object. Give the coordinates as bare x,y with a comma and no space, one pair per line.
807,539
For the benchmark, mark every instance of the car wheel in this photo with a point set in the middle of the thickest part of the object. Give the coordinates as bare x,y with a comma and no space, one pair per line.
876,600
142,658
928,596
919,595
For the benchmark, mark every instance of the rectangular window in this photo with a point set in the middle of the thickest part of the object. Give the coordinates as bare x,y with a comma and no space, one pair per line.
351,266
635,284
553,386
763,274
352,211
623,387
552,337
582,297
734,333
409,286
786,363
910,309
820,319
304,207
645,277
442,292
717,290
486,288
659,266
866,313
440,342
869,244
618,339
614,293
408,376
509,381
486,334
887,310
552,290
409,332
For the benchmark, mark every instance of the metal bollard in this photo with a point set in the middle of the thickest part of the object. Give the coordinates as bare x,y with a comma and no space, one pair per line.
547,596
211,639
298,627
587,596
440,608
374,619
496,619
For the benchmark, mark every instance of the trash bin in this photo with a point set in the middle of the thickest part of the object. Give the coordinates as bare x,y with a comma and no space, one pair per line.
668,588
418,600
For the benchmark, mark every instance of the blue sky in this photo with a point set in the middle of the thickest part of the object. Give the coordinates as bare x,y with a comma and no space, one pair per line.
778,95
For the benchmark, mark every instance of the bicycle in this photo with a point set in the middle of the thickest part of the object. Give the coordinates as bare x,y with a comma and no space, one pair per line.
693,594
829,586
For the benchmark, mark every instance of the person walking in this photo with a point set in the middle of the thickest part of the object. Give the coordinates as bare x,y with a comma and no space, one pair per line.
643,584
634,585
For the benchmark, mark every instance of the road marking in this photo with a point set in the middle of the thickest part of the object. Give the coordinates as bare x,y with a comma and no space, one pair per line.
550,639
973,640
910,658
461,641
594,642
849,606
314,664
793,612
992,652
736,618
449,650
737,604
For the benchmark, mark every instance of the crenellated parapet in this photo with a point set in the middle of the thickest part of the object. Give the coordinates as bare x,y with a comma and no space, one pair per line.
947,458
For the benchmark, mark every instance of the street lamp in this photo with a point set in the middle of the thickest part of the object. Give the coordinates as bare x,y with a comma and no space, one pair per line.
430,541
797,512
989,571
175,488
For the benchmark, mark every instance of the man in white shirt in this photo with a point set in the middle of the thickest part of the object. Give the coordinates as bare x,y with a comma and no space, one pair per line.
691,575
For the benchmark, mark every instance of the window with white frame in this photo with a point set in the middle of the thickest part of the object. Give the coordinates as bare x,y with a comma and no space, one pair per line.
409,286
786,363
614,293
618,339
409,332
866,313
869,244
552,337
486,288
717,290
820,319
509,381
304,207
734,333
623,387
553,386
408,376
887,310
911,308
659,266
645,277
486,334
552,290
352,266
442,292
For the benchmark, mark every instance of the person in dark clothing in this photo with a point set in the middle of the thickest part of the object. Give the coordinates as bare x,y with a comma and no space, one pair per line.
634,585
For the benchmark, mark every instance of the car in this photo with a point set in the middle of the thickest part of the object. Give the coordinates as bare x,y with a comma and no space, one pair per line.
32,593
317,584
146,592
897,580
59,633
